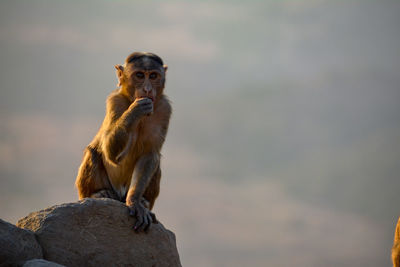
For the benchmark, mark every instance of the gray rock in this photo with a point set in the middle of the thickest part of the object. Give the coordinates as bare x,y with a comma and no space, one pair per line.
98,232
41,263
17,245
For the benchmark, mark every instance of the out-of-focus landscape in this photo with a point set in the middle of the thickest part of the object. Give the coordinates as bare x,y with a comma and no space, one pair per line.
284,145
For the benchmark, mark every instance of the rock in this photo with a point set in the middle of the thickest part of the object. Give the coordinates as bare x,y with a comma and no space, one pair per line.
396,246
17,245
98,232
41,263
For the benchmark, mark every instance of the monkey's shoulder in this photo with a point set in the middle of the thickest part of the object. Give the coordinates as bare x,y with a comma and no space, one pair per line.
117,100
116,105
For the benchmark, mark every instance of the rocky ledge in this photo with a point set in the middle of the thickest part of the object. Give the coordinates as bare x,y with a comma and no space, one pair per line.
91,232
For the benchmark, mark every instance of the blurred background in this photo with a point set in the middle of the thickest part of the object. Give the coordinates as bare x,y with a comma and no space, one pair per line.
284,144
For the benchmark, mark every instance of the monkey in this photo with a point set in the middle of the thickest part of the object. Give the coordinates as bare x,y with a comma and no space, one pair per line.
396,246
122,161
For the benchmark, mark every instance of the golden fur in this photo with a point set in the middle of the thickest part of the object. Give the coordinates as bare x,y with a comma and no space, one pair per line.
128,144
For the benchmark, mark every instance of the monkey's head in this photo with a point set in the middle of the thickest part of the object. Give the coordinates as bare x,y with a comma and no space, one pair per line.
143,75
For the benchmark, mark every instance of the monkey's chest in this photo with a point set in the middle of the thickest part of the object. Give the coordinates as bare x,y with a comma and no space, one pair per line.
149,137
146,139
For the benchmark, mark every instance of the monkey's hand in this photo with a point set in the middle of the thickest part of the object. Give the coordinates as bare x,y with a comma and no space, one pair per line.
141,107
144,217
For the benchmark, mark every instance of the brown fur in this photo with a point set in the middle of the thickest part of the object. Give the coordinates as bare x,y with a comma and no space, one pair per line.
396,246
123,159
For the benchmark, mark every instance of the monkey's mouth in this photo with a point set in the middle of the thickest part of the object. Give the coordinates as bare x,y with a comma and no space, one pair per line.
150,97
146,96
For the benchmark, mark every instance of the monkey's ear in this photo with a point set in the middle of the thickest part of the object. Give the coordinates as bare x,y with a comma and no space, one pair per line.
119,72
165,68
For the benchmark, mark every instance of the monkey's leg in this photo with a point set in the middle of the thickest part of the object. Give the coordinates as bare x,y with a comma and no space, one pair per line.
153,189
92,180
145,169
152,192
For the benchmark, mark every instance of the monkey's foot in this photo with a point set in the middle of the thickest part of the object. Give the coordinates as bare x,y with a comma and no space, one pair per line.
105,193
145,203
144,217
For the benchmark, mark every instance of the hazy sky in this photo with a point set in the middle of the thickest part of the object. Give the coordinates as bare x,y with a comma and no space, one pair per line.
283,147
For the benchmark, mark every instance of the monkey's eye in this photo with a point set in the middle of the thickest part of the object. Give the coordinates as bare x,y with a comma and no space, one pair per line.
153,76
139,75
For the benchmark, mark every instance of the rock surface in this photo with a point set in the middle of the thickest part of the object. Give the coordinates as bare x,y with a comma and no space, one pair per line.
98,232
41,263
17,245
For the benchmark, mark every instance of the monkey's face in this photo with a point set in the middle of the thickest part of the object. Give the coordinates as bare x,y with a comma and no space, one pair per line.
147,83
143,75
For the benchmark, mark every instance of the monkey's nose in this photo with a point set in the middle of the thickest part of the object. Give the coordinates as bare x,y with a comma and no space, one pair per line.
147,89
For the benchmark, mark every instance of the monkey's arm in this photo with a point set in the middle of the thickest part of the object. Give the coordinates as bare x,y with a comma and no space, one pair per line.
145,168
115,141
120,124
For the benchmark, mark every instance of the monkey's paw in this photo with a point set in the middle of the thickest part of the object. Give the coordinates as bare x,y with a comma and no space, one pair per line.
144,217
